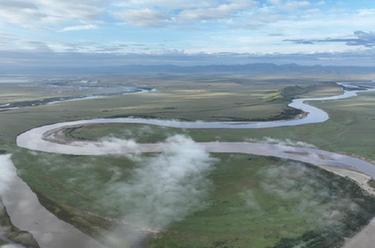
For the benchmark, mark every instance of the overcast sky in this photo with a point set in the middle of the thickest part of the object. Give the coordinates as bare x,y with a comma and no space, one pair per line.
255,27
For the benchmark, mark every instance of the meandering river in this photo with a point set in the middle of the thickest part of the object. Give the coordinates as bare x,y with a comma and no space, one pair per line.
45,139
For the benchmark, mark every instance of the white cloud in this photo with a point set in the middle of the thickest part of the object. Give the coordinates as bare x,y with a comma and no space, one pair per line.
163,189
37,13
72,9
142,17
244,25
79,27
20,12
226,10
156,13
293,5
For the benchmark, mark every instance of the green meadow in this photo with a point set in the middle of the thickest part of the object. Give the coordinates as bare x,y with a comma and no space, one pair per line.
250,201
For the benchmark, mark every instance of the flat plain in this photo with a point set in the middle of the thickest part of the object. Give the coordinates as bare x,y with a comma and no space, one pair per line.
264,202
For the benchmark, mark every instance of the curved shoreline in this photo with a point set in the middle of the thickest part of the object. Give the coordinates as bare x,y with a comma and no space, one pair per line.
313,115
63,99
44,139
27,213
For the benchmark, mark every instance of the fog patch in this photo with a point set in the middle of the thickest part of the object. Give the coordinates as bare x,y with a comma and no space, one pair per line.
144,133
110,145
288,142
284,142
312,192
250,201
163,189
143,130
11,246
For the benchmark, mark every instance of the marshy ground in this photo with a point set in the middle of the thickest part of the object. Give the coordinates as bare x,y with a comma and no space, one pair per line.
246,201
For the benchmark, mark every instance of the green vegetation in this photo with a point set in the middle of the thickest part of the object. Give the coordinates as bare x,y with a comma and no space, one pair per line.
141,133
350,129
80,180
253,200
241,211
86,221
259,205
214,99
371,183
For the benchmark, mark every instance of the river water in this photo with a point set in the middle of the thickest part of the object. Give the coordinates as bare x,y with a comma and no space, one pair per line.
28,214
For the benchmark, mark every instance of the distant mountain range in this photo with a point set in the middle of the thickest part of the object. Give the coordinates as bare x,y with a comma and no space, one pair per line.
252,69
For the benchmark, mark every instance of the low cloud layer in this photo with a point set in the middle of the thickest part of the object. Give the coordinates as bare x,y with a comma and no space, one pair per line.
310,190
11,246
359,38
284,142
288,142
163,189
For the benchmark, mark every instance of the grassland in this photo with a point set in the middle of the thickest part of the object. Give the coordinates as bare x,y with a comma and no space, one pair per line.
350,129
228,99
253,201
252,206
75,188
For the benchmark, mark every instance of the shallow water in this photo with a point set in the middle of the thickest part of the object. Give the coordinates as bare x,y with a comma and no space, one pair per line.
44,139
57,100
26,212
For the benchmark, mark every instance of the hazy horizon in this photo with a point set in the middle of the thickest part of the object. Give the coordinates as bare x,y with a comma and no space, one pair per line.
114,33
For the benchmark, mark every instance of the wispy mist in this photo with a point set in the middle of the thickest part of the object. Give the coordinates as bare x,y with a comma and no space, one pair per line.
163,189
311,190
11,246
288,142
